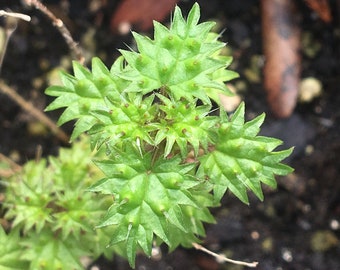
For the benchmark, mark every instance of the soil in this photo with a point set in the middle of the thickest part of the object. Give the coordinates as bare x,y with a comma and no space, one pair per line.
298,224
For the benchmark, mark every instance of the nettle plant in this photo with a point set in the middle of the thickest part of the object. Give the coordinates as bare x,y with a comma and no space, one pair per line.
168,156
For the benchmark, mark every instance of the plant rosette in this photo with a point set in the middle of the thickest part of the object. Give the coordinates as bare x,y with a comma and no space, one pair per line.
52,215
168,157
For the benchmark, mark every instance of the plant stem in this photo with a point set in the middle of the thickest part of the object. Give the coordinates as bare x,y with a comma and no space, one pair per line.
59,24
223,258
10,26
15,15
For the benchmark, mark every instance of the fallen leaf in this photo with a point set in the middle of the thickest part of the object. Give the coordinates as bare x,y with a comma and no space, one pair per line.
321,7
281,43
140,14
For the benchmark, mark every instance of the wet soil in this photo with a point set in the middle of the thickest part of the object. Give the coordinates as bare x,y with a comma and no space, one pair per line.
298,224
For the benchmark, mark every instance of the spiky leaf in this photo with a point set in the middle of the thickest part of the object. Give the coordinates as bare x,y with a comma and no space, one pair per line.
241,160
185,124
153,198
181,60
10,251
49,205
84,93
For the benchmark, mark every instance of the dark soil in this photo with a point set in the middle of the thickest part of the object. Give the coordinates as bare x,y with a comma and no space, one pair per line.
298,225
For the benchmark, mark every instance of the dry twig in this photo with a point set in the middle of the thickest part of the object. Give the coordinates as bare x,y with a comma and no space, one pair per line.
28,107
9,28
58,23
223,258
15,15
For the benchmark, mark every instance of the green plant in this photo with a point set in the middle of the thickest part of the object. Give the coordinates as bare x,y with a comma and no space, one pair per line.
52,214
168,157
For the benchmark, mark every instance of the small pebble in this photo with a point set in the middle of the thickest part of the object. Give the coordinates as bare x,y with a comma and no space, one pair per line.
230,103
334,224
310,88
323,240
287,255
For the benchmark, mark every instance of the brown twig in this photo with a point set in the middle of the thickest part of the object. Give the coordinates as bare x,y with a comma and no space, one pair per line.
58,23
223,258
10,26
28,107
15,15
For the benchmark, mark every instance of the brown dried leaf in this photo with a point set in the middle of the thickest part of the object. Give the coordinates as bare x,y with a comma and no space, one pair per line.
321,7
140,14
281,42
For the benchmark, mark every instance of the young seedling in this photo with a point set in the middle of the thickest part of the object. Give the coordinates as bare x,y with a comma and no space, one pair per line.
52,215
168,157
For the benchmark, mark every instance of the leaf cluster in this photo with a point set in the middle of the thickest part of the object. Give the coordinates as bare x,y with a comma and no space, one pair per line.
52,216
168,158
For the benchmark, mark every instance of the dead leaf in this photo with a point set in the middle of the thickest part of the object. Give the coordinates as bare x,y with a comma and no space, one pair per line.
281,43
140,14
321,7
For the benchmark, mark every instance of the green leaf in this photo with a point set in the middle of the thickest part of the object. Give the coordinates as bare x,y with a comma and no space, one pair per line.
80,72
44,251
151,195
242,160
124,121
193,16
178,24
68,81
10,251
49,205
184,124
131,245
28,197
84,93
175,216
144,238
182,60
99,69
